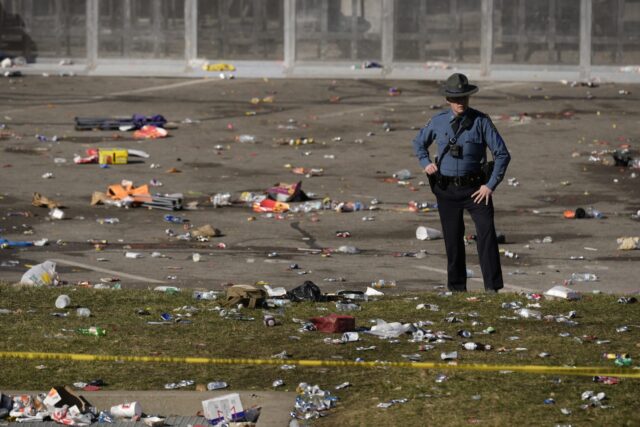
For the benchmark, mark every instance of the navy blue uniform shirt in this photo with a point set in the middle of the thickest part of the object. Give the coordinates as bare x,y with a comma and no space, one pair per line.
476,133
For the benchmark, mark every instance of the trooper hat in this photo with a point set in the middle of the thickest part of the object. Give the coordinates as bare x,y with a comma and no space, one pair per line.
457,86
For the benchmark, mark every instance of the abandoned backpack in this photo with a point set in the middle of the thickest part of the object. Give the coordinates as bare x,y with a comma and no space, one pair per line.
247,295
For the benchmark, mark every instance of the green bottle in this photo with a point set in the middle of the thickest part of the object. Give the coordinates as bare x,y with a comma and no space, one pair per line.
93,330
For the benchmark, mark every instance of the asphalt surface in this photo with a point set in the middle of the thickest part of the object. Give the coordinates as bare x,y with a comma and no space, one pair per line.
551,130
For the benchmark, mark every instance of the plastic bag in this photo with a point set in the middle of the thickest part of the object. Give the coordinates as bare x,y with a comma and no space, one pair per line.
388,330
41,275
308,291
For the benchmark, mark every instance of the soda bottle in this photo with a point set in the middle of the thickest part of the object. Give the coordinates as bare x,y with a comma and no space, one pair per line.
93,330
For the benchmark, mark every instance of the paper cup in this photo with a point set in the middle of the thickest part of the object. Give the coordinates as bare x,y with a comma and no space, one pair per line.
127,410
426,233
63,301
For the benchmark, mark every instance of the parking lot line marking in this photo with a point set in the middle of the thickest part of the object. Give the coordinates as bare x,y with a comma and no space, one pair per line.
474,367
104,270
159,88
475,279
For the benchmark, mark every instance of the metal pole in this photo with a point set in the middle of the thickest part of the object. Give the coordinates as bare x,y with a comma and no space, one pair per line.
157,24
388,35
586,15
289,35
190,31
92,33
486,37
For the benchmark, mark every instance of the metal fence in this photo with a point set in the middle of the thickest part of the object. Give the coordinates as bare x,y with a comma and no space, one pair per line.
489,39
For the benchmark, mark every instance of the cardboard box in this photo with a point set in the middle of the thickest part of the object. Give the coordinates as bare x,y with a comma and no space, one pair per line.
227,407
113,156
334,323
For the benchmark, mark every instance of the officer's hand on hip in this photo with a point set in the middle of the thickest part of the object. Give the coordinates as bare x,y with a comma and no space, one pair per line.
483,193
431,169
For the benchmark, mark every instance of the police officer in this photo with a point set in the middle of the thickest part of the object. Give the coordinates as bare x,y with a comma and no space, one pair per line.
461,178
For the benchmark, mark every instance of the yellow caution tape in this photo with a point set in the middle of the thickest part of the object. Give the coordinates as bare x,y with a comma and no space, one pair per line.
530,369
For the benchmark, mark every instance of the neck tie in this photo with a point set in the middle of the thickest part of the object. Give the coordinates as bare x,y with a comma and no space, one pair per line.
456,124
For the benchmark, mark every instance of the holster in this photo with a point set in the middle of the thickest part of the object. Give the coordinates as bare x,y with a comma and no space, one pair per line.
436,179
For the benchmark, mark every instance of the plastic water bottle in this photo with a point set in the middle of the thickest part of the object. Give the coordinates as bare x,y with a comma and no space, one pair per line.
476,346
402,174
246,138
347,306
173,219
217,385
594,213
583,277
529,314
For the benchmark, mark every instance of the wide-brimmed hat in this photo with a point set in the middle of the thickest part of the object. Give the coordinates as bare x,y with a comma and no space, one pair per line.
457,86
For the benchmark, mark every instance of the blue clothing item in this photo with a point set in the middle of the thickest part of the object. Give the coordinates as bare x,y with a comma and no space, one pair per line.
475,134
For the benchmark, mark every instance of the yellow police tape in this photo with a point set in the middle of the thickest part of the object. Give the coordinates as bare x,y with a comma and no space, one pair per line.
530,369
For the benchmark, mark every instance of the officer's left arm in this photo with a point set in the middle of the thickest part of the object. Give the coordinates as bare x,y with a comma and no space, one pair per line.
499,150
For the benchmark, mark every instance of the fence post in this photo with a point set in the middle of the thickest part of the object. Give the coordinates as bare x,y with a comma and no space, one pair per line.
388,18
92,33
486,37
289,35
586,14
190,31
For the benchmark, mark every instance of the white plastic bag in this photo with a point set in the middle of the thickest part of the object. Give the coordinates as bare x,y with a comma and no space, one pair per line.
383,329
41,275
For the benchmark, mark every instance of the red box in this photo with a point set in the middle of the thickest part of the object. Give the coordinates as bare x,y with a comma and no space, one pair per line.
334,323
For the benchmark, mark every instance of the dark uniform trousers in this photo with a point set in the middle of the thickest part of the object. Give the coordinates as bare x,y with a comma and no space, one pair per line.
452,201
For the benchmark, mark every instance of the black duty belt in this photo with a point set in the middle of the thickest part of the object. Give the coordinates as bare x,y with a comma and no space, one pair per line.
462,181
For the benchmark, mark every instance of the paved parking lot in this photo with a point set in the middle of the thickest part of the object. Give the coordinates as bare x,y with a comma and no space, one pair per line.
551,130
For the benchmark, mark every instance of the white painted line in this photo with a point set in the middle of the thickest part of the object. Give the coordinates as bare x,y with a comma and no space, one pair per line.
161,87
475,279
104,270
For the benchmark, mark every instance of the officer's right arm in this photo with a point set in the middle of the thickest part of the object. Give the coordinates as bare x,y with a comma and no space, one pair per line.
421,144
